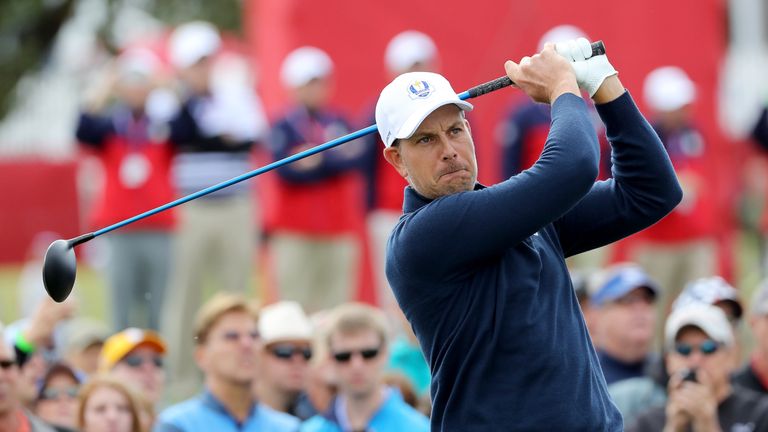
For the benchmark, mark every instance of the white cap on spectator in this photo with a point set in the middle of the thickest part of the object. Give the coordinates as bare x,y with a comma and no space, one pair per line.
192,42
561,33
137,63
408,100
668,88
408,48
303,65
709,319
284,321
710,290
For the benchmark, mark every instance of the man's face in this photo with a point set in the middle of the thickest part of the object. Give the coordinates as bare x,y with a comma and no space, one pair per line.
143,367
9,375
314,94
229,352
439,159
198,75
630,318
716,364
58,404
359,359
284,365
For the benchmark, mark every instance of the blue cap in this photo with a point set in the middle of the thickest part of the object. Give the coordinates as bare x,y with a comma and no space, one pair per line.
620,280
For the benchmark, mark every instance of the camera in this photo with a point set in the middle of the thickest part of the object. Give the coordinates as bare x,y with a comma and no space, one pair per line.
690,375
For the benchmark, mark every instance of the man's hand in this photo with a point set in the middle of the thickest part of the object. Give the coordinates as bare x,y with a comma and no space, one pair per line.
691,403
543,77
590,71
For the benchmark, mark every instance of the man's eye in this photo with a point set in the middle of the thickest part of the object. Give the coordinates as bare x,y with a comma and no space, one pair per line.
456,130
424,140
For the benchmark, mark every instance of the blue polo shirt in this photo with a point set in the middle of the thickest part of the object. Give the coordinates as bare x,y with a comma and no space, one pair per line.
481,275
394,415
205,413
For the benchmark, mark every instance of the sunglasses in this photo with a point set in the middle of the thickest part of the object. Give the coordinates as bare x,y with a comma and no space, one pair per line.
708,347
135,361
7,364
286,352
346,356
55,394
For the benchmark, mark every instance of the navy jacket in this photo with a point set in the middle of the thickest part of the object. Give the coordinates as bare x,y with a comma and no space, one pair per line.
481,275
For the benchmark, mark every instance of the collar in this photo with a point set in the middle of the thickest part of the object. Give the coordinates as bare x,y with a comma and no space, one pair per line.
413,200
337,412
209,400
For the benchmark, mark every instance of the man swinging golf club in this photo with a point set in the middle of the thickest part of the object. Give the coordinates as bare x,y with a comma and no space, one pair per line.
480,271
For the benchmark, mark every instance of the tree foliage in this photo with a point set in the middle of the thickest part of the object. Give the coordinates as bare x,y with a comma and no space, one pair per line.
28,29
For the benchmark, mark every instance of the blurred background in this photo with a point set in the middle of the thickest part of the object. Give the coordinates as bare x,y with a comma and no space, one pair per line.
51,51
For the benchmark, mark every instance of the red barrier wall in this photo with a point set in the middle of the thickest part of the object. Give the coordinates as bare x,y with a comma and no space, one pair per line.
36,196
475,38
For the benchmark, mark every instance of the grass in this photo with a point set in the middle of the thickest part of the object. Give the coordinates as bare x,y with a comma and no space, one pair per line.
89,291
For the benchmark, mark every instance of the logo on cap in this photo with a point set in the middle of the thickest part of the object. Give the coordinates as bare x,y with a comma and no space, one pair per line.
419,89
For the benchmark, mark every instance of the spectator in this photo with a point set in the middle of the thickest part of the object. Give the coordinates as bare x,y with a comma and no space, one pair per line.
286,334
716,291
682,246
622,319
82,343
635,395
357,339
408,51
213,134
57,398
135,357
306,230
106,404
35,343
698,339
754,374
13,417
227,337
129,134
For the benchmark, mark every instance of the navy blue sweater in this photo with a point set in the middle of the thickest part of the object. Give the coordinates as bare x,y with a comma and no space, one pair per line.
482,279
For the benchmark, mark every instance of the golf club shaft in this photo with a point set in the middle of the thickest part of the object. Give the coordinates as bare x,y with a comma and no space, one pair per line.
597,49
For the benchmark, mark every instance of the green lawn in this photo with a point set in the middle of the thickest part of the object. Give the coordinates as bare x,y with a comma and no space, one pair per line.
89,291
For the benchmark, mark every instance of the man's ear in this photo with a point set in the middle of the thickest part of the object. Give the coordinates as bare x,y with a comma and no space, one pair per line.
393,156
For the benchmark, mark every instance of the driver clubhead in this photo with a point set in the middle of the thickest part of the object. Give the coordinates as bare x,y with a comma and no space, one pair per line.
59,270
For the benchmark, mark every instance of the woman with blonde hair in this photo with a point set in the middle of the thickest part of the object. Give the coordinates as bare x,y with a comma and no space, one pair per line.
107,405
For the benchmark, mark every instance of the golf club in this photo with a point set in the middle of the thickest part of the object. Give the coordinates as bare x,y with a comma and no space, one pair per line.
60,264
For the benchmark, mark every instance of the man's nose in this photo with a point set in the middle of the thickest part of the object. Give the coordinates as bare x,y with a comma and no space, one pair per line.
449,150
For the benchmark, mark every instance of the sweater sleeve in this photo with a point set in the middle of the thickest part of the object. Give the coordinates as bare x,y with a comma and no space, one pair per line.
285,142
464,229
93,129
643,189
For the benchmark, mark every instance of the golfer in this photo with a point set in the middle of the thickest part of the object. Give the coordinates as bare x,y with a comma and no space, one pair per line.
480,271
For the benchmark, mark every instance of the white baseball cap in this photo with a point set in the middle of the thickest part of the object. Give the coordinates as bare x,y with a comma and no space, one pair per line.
284,321
710,290
191,42
709,319
408,100
303,65
408,48
561,33
137,63
668,88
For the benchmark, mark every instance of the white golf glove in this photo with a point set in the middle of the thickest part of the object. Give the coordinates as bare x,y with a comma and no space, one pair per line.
590,71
